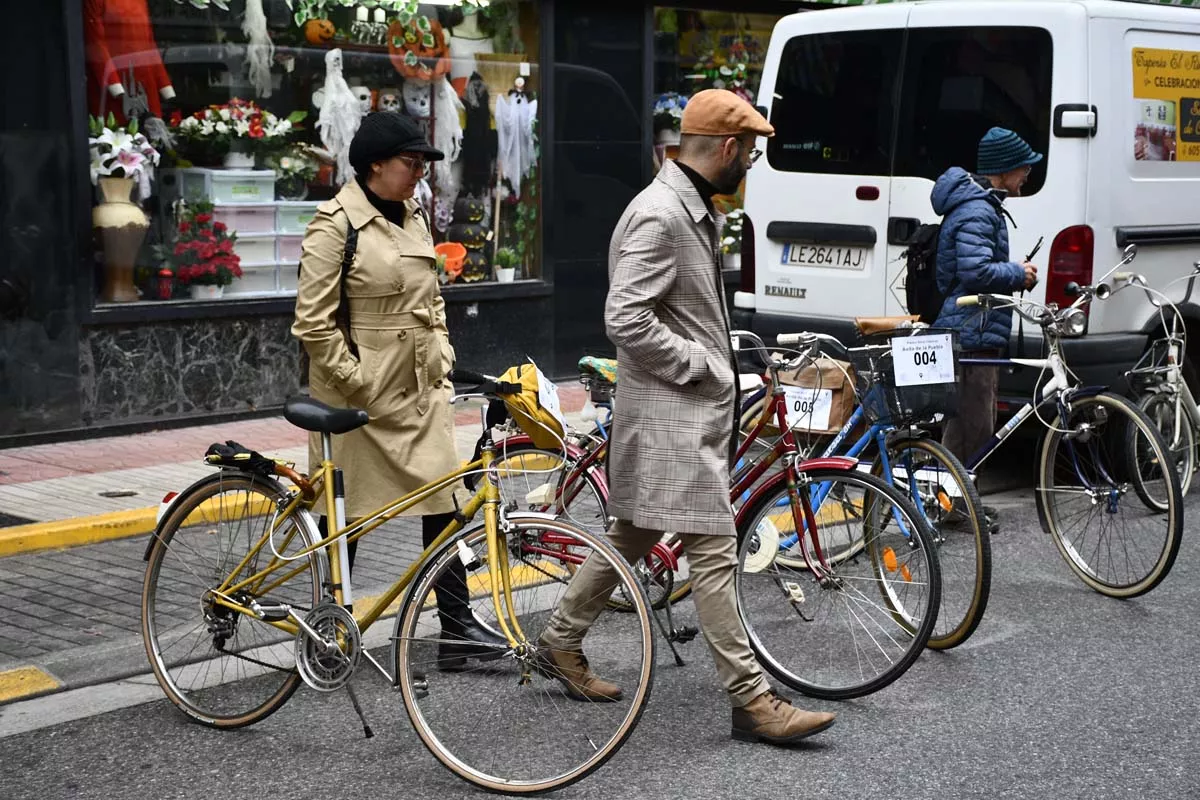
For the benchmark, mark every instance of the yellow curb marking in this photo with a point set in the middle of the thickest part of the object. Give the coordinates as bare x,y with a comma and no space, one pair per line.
57,534
24,682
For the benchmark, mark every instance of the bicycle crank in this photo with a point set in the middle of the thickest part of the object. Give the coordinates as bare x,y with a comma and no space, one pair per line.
328,647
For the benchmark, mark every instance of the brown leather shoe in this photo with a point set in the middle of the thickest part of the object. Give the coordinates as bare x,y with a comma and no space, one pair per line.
771,718
570,668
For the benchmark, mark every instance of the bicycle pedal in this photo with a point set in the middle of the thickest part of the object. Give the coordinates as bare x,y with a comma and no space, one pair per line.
685,634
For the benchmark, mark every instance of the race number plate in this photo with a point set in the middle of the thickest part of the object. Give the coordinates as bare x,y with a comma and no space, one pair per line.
808,409
920,360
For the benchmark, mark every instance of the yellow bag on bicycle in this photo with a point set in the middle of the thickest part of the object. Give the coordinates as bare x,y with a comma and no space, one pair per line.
535,408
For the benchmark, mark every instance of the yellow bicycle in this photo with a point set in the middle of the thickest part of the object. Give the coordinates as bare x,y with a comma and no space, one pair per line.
243,600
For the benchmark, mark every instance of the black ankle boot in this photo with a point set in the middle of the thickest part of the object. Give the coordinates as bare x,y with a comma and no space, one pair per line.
463,636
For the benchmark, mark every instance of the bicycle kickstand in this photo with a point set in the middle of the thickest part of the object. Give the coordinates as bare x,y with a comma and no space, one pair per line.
668,632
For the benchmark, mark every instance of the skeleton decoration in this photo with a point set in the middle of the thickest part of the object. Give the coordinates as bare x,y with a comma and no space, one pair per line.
438,99
364,97
261,51
389,100
515,115
341,114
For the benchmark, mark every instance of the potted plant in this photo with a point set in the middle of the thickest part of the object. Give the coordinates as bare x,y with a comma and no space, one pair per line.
294,171
731,239
668,114
203,257
506,264
233,134
121,157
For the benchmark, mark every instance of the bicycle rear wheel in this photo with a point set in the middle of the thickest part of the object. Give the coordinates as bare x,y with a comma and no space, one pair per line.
502,725
942,490
1094,496
852,626
1163,410
220,667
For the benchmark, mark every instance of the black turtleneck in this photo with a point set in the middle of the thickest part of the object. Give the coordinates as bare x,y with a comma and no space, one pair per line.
702,184
393,210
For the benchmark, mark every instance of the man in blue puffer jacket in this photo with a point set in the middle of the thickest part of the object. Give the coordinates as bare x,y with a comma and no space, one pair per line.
972,258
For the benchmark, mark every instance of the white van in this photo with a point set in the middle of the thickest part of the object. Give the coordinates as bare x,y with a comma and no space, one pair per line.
872,103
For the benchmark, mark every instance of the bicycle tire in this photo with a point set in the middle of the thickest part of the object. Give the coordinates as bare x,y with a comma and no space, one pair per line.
963,543
1096,412
793,653
497,727
251,640
1161,409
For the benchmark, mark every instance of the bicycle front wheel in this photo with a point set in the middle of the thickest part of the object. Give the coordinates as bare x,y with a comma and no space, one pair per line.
501,724
220,667
942,490
1094,492
836,629
1175,427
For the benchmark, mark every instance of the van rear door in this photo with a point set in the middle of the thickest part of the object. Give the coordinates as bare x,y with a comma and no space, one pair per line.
970,67
819,202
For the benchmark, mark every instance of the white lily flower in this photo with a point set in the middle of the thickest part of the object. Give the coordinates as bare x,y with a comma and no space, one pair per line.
221,128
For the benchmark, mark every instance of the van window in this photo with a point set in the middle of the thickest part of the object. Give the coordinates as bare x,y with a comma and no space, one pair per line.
835,104
959,82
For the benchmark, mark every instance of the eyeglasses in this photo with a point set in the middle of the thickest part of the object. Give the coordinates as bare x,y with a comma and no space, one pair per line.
417,164
754,153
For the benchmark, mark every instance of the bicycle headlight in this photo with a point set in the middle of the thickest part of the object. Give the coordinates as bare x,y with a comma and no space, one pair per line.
1074,322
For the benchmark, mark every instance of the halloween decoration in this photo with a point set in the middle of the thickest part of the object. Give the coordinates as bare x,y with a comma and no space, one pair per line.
418,48
261,51
471,231
466,39
125,72
479,139
515,117
341,114
319,31
390,100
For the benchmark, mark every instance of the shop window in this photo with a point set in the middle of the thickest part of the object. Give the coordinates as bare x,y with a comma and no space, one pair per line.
243,114
696,50
834,104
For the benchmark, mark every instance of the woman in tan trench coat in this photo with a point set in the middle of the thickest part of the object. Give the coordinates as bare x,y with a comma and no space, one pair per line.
395,364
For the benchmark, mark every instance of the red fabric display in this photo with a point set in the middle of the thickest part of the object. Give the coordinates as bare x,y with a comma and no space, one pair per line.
121,51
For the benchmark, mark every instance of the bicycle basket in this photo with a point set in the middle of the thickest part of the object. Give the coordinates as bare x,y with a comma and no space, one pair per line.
885,402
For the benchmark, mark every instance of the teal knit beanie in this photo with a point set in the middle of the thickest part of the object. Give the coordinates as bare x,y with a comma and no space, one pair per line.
1001,150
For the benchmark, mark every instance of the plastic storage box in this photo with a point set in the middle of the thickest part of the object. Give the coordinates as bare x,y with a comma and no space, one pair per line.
247,218
294,216
255,249
220,186
288,248
288,277
256,279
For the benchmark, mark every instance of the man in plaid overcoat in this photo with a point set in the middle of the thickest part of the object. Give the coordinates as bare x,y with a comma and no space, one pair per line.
674,426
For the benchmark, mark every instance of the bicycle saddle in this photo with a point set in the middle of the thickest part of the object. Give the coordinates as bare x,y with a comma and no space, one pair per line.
873,326
313,415
605,368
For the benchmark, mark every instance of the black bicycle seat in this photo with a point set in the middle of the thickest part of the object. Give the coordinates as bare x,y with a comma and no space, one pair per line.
313,415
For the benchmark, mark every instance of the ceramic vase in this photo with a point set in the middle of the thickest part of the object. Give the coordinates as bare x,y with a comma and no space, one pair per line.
122,226
207,292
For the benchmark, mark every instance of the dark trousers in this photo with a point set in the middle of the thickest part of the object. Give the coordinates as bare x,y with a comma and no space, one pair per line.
976,420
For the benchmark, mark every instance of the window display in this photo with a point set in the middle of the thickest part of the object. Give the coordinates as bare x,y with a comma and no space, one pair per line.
697,50
247,109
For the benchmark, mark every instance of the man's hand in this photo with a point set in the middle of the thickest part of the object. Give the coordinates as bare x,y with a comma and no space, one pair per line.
1030,275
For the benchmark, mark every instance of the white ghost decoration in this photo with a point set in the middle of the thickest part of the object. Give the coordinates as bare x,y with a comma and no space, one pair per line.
515,116
340,116
363,94
416,98
261,50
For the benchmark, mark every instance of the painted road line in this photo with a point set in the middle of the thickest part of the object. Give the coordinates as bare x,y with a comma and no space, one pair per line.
25,682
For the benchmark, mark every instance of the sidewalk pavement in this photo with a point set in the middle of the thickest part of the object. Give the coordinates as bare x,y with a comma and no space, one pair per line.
75,519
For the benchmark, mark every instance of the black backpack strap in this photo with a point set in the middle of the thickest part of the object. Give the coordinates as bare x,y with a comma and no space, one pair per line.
343,311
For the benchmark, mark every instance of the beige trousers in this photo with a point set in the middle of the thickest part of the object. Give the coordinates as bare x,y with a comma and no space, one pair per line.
713,564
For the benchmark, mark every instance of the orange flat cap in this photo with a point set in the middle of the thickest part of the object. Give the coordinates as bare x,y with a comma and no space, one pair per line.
720,112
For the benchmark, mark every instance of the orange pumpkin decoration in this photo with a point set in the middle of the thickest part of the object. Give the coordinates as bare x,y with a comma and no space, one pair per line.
319,31
418,48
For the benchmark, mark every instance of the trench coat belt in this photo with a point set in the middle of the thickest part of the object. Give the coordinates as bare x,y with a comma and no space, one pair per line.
423,322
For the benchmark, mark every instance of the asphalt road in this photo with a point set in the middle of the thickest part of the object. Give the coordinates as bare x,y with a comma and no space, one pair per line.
1061,693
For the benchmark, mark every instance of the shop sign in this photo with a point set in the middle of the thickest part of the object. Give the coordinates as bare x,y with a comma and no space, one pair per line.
1166,92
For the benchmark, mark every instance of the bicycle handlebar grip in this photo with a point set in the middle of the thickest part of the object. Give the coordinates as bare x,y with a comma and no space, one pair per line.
967,300
1121,277
793,339
458,375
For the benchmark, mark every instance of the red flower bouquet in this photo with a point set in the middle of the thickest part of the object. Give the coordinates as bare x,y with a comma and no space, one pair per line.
203,252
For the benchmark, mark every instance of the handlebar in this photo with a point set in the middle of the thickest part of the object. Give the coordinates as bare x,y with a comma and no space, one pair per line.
484,384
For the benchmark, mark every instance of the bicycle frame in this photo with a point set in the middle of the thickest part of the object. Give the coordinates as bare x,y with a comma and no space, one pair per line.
329,475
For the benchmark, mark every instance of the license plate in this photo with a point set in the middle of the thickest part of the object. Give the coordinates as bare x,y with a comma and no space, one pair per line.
819,255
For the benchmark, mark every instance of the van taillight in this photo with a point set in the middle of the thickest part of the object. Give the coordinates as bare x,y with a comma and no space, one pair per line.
1070,262
747,281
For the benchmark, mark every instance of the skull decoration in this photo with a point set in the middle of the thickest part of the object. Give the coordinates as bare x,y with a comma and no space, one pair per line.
416,98
364,97
390,100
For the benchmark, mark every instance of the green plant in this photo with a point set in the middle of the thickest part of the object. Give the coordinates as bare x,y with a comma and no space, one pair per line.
503,23
507,258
